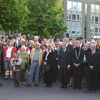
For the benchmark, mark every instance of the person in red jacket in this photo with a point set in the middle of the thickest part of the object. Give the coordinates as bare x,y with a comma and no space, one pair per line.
8,55
26,48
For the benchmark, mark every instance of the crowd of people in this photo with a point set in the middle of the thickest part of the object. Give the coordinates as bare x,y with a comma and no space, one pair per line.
73,62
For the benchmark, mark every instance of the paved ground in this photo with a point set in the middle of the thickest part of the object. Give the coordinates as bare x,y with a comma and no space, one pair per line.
8,92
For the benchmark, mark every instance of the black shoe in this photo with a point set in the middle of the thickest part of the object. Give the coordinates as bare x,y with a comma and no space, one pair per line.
74,88
46,85
95,89
90,89
70,85
6,78
65,87
17,85
79,88
36,85
62,86
54,81
50,85
1,84
11,78
28,85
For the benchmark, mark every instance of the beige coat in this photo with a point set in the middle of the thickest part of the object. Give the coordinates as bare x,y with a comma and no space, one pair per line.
40,56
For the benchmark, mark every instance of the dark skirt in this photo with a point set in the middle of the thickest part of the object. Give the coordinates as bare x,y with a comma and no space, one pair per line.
48,76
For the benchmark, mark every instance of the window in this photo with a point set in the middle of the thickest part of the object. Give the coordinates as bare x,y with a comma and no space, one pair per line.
69,5
73,28
96,20
92,8
85,9
74,16
92,19
69,29
97,8
79,29
78,18
96,29
79,6
69,17
75,6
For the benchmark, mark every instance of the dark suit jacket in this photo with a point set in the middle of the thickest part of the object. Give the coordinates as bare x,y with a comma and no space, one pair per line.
1,55
55,55
74,58
69,47
93,59
64,58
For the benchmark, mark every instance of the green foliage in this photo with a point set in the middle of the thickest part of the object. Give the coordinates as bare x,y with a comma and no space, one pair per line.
45,17
12,14
1,29
38,17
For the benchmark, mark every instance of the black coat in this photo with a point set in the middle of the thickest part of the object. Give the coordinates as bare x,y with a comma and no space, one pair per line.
69,47
1,55
48,75
93,59
74,58
50,58
64,58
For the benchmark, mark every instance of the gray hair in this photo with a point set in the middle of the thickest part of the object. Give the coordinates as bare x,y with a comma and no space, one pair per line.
93,45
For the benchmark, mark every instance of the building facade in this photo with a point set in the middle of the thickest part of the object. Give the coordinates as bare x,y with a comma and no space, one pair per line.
82,17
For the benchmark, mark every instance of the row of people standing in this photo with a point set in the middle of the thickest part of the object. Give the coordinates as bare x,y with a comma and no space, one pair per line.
68,59
75,59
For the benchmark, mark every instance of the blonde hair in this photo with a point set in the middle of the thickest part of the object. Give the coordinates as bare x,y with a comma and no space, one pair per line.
50,46
37,43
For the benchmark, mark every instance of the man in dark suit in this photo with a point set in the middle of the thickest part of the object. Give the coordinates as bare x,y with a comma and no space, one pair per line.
93,62
64,65
77,55
68,46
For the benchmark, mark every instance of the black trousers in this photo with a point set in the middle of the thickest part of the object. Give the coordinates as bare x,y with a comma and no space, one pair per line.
2,68
64,76
23,75
93,79
16,77
55,70
77,77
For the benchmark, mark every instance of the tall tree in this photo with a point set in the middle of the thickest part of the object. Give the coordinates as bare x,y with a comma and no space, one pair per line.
12,14
45,18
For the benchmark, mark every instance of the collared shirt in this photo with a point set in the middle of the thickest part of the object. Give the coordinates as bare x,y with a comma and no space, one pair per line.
64,50
47,54
80,45
8,53
93,51
36,56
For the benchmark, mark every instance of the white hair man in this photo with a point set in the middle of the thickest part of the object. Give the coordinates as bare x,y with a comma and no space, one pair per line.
93,62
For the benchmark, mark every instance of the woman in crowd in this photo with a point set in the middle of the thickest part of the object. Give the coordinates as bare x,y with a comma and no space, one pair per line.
48,61
24,56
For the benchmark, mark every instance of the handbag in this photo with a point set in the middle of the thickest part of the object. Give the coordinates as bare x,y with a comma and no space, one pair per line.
47,67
